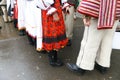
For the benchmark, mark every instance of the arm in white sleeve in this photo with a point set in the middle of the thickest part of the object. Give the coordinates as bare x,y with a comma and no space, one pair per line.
51,10
65,4
46,5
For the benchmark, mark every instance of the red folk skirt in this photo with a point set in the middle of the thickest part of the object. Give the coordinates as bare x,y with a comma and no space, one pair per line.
54,36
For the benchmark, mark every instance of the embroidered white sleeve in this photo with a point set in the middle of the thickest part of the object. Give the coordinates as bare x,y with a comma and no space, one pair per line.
65,5
51,11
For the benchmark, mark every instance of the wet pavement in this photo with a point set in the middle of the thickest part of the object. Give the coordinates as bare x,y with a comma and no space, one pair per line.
20,61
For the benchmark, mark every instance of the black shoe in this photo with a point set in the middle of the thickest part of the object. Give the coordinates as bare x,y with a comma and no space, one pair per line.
30,40
22,33
101,69
57,63
75,68
69,43
53,59
15,21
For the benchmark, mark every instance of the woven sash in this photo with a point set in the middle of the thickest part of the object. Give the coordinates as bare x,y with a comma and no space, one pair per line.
106,10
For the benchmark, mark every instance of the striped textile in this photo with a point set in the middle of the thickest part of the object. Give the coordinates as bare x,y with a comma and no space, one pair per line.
104,9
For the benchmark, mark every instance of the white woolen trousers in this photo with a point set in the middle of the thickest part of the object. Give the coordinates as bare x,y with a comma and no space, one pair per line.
96,46
69,22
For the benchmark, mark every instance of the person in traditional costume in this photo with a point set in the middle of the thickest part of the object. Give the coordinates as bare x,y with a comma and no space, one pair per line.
69,13
101,19
33,23
3,5
21,5
54,36
12,7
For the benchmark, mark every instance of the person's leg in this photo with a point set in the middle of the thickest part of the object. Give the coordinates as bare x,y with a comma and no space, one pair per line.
9,18
15,21
4,9
104,54
69,22
89,46
53,58
5,16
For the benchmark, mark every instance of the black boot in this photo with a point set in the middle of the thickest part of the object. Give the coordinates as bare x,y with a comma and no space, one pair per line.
53,59
75,68
31,42
69,43
34,41
57,60
15,21
22,32
101,69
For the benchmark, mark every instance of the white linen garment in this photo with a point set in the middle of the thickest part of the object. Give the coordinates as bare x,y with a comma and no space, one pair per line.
21,13
96,46
33,22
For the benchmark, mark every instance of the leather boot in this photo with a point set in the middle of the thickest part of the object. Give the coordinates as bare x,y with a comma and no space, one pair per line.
101,69
69,43
21,32
15,21
57,60
75,68
53,59
30,40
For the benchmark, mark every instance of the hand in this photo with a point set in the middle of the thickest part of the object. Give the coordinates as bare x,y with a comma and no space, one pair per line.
67,10
55,17
87,21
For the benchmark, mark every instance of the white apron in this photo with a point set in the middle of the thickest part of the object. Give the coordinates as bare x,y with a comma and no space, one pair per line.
33,22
